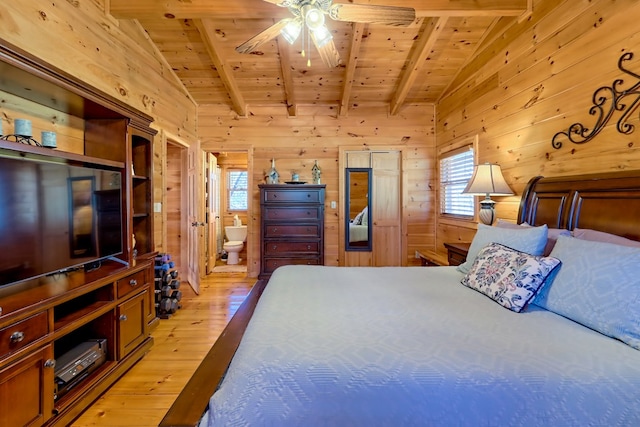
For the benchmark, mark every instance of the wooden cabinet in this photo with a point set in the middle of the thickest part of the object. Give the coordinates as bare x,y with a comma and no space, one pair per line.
457,252
132,323
41,324
53,317
292,226
33,377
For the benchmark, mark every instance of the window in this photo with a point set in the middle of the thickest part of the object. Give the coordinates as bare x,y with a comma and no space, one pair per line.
456,169
237,190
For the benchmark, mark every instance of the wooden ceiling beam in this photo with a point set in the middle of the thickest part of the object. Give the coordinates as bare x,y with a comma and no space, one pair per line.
254,9
205,28
287,77
429,33
354,51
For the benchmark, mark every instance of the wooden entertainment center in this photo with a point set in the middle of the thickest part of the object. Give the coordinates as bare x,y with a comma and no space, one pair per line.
111,303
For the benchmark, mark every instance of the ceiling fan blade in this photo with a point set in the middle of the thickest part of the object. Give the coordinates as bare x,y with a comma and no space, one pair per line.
328,52
373,14
259,39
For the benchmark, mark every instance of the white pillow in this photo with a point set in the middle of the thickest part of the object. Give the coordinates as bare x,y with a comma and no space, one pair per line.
358,219
524,239
365,216
598,286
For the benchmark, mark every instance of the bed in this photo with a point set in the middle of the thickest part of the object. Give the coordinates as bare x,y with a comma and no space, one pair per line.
414,346
358,233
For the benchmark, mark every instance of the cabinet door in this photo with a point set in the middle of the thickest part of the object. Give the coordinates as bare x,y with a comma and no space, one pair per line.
132,324
26,390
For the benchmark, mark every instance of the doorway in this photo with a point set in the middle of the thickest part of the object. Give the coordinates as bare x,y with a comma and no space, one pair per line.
228,204
175,202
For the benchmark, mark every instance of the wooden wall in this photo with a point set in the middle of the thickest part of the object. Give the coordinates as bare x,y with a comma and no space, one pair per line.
535,79
113,56
317,134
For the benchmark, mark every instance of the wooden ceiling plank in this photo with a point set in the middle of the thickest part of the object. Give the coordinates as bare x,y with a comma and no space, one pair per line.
431,29
243,9
354,51
209,38
287,77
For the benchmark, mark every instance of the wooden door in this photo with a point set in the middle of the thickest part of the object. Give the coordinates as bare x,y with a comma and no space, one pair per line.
387,209
175,202
33,377
132,324
212,212
195,219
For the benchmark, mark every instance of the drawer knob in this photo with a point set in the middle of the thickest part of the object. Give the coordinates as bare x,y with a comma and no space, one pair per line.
16,337
133,282
0,311
123,317
309,247
50,363
275,247
275,229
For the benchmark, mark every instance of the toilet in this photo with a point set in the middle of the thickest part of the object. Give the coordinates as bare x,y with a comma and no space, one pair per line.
236,236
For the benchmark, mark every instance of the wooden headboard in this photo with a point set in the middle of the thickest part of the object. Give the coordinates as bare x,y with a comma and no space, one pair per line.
608,202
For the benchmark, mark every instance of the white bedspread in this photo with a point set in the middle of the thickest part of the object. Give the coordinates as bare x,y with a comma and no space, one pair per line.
393,346
358,233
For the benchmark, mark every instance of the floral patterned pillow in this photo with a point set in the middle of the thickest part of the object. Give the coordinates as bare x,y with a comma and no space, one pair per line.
509,277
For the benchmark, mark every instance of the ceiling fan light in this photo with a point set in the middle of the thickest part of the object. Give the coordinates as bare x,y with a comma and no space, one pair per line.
322,36
291,31
313,16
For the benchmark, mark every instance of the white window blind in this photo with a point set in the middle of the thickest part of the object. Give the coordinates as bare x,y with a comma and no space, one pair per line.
237,190
456,168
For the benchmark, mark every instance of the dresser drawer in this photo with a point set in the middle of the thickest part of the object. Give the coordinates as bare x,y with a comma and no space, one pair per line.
23,333
272,263
289,247
297,213
285,230
132,283
298,196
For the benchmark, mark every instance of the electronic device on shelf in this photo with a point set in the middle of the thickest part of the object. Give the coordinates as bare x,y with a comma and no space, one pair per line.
76,364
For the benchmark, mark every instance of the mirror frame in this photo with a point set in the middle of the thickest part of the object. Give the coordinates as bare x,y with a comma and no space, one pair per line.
348,246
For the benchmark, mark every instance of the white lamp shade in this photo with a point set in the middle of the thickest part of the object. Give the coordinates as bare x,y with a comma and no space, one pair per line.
487,180
322,36
313,17
292,30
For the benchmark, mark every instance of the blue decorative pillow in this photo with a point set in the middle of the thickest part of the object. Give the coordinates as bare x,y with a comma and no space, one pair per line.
509,277
531,240
597,286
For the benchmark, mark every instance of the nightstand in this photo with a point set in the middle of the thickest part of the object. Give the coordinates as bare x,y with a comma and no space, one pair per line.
431,258
457,252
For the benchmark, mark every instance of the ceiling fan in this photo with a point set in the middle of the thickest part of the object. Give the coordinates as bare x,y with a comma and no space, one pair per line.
311,14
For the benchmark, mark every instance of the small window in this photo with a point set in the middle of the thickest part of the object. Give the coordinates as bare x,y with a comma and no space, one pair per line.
456,169
237,190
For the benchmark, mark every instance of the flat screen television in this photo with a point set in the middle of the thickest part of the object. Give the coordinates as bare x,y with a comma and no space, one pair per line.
55,216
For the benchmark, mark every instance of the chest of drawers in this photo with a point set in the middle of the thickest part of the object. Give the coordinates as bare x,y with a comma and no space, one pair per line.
292,226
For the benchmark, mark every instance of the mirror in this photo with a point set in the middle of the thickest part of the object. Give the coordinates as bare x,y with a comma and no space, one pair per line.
82,228
357,212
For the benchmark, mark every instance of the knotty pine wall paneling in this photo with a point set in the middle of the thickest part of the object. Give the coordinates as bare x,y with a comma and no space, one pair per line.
113,56
535,79
317,133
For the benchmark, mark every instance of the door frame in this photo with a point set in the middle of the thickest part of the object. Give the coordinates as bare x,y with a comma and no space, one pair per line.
404,196
253,242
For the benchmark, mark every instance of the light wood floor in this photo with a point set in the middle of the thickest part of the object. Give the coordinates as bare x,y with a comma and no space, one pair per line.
144,394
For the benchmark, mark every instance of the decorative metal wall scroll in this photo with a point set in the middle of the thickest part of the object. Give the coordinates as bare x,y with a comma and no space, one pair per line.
606,101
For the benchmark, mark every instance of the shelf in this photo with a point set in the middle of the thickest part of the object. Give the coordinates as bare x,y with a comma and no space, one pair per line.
81,317
25,150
